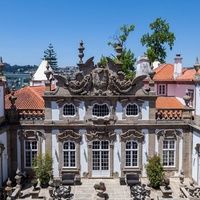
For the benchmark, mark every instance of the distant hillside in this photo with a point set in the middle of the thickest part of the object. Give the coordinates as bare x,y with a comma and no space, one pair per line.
19,69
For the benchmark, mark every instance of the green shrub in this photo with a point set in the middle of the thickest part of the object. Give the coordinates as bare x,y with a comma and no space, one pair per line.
154,169
42,166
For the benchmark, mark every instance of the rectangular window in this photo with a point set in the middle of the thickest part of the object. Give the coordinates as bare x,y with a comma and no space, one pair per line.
162,89
168,153
31,150
191,94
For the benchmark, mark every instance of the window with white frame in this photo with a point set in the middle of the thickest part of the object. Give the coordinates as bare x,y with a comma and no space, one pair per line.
131,153
168,153
162,89
31,150
100,110
69,154
132,110
69,110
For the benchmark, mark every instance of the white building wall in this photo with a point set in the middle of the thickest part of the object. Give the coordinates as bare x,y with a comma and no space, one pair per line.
145,147
18,151
55,153
2,101
145,110
83,153
3,140
119,110
81,110
55,110
195,159
117,152
197,92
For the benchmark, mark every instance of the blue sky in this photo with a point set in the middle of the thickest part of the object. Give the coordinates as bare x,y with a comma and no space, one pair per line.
27,27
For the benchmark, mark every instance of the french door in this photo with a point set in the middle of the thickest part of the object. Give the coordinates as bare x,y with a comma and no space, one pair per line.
100,159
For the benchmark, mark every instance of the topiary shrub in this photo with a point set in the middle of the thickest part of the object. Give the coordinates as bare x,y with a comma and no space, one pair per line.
154,169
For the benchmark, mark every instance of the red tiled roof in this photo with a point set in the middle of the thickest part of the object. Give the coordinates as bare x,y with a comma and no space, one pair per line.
164,71
187,75
168,102
29,97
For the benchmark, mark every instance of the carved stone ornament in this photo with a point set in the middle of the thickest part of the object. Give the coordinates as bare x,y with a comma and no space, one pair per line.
197,148
132,135
100,80
69,135
31,134
168,133
100,135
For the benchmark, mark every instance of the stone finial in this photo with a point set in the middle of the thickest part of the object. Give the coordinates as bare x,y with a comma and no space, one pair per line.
81,54
187,98
197,65
1,66
13,98
47,72
119,51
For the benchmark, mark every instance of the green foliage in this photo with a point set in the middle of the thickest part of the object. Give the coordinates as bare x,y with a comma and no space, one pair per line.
156,42
128,59
154,170
42,166
103,60
50,56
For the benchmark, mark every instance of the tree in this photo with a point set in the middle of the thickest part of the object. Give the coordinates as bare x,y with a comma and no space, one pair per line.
50,56
127,57
154,170
155,42
42,166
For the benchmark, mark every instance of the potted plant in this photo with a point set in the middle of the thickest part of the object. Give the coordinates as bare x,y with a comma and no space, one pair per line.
100,188
42,166
34,183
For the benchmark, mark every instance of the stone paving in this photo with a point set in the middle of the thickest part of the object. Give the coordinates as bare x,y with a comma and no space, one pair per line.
114,190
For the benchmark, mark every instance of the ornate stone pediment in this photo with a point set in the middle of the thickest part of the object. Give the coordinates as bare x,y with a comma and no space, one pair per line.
101,80
69,135
132,135
168,133
100,135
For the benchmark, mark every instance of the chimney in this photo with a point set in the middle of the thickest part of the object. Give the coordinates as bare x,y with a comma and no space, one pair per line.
177,66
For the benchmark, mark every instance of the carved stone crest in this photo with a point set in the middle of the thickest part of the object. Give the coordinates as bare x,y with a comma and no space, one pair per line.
100,135
69,135
132,135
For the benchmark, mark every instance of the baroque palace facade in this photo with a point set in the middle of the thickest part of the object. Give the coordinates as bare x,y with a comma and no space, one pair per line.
99,124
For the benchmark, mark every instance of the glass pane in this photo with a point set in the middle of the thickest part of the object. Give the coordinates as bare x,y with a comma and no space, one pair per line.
34,145
27,145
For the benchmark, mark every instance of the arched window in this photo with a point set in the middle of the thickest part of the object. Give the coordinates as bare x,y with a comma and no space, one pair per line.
69,110
131,153
100,110
132,110
69,154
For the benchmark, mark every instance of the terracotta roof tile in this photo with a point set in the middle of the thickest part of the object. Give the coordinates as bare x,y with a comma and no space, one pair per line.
29,97
164,71
187,75
168,102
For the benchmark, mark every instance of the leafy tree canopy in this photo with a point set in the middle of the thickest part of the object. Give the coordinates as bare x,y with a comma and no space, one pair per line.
50,56
128,59
156,41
